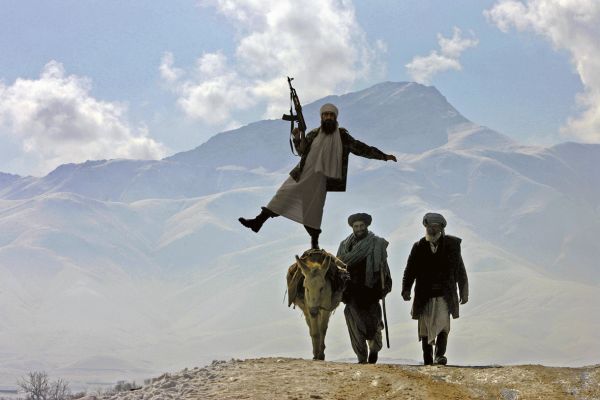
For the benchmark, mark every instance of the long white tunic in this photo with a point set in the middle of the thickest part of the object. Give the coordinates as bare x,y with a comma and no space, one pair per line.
303,201
434,319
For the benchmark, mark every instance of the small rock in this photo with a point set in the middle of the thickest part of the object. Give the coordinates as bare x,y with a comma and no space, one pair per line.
163,376
509,394
169,384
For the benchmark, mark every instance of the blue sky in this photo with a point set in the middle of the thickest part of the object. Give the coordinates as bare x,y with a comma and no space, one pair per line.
105,79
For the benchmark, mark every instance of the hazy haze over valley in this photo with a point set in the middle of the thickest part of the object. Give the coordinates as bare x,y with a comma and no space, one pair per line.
123,268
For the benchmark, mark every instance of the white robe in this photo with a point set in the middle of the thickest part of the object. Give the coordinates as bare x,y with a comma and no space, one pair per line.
303,201
434,319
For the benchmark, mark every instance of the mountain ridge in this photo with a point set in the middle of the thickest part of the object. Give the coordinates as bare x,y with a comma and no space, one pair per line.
263,144
133,257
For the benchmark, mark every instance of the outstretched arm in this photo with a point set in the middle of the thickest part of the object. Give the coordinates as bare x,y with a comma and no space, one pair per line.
364,150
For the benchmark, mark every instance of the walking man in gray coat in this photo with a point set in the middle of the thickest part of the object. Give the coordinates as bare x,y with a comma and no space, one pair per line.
435,264
323,168
365,255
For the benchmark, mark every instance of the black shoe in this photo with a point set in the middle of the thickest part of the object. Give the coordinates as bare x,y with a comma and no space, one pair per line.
314,243
441,360
427,352
256,223
373,357
440,348
314,237
251,223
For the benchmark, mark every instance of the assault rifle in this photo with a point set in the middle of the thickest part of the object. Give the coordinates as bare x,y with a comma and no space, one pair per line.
295,104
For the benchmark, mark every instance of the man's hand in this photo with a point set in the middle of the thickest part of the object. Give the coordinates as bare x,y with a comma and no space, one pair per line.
464,300
406,295
390,157
296,132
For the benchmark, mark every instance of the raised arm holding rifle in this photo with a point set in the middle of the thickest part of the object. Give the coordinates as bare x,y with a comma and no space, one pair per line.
297,133
323,167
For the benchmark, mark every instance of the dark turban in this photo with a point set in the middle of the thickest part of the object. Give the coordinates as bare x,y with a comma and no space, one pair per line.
366,218
434,218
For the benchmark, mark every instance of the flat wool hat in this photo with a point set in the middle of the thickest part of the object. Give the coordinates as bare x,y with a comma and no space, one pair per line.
366,218
328,107
434,218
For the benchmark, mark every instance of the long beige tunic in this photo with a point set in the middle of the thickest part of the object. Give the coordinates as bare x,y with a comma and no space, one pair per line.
434,319
303,201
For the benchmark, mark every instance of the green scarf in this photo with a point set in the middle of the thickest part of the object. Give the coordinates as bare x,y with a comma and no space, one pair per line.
373,248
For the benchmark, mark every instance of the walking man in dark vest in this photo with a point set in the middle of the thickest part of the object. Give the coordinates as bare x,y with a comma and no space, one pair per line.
365,255
435,264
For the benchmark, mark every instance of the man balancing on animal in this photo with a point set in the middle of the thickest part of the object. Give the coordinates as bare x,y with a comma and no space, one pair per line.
322,168
365,255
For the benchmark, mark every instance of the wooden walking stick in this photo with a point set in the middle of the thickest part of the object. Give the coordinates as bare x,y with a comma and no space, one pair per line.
385,323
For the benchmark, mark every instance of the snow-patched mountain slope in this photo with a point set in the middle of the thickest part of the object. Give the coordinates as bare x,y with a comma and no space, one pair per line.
399,117
7,179
145,260
61,310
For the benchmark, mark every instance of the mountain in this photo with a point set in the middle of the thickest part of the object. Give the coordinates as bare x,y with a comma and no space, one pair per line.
405,117
144,261
8,179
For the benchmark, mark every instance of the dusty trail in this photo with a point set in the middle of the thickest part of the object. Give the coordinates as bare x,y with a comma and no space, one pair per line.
298,379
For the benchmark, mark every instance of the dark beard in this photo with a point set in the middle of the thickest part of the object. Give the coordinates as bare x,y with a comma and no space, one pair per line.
360,235
329,126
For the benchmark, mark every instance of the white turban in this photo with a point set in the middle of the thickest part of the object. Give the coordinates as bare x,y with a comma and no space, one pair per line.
328,107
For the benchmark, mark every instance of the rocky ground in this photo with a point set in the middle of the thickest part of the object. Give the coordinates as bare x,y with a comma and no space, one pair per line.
296,379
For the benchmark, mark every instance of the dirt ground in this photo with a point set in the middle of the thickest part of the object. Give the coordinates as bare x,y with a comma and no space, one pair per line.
298,379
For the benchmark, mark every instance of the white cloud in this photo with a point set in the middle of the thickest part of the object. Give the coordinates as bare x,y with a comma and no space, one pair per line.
56,121
217,93
318,42
574,26
423,69
167,71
